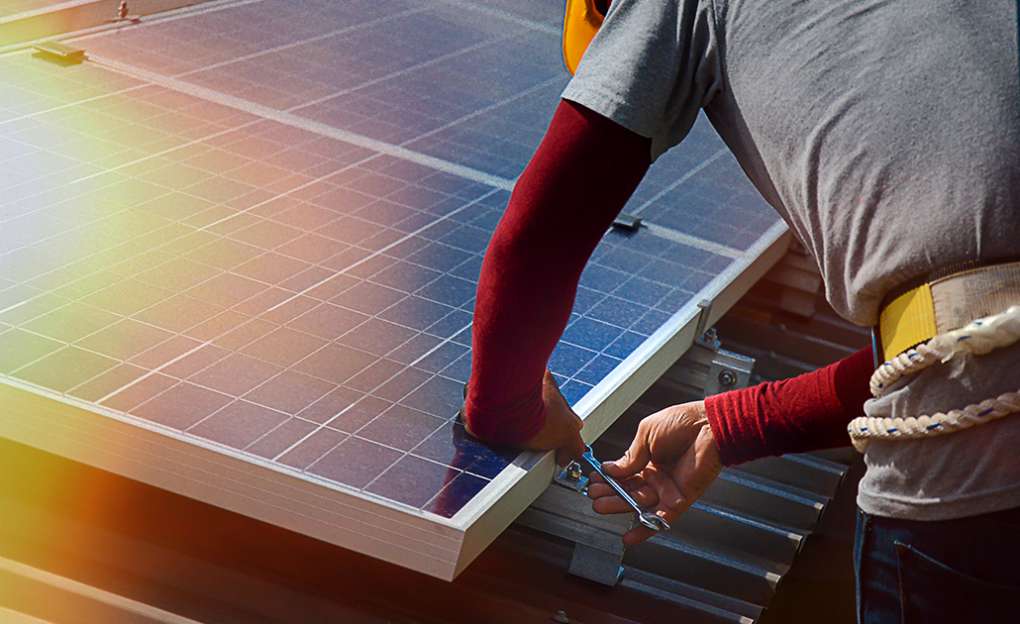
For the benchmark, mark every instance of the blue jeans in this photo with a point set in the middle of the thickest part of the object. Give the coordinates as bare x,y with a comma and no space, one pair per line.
963,570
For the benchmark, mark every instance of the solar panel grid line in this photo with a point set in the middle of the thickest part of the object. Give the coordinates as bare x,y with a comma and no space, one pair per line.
263,52
341,413
411,364
692,241
70,105
406,68
309,125
467,116
34,8
162,18
690,173
333,276
492,142
209,226
140,160
167,151
487,109
367,259
537,26
294,44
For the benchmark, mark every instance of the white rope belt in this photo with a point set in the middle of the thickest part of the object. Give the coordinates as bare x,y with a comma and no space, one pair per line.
979,337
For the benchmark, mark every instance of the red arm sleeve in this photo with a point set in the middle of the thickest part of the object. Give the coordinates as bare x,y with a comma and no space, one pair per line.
576,183
807,412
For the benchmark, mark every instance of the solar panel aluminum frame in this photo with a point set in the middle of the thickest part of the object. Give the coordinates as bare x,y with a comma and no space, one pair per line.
359,521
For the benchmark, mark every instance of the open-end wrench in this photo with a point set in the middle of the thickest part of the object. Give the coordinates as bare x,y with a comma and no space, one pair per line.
646,518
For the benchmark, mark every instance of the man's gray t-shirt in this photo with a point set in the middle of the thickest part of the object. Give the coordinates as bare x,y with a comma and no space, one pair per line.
887,135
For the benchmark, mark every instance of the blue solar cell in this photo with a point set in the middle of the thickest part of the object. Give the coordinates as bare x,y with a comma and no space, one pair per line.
412,481
456,494
453,446
453,291
598,369
460,369
625,344
567,359
450,324
574,390
591,334
440,396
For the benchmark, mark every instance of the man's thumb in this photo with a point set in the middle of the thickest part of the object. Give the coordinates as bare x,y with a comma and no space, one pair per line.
632,462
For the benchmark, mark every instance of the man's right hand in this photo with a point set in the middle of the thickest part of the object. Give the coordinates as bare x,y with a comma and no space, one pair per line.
670,463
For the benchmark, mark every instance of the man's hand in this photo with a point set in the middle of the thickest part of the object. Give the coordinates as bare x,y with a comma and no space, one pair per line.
562,428
670,463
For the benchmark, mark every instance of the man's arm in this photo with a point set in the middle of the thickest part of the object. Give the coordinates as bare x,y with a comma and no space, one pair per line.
576,183
678,452
805,413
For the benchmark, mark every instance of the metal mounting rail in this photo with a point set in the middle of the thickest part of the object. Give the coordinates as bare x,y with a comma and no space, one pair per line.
725,556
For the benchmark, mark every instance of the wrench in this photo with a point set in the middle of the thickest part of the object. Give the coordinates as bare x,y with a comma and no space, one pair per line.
646,518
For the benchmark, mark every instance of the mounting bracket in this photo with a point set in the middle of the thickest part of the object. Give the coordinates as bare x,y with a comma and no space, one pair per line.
564,510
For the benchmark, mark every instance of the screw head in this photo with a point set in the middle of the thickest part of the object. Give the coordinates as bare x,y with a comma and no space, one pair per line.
560,617
727,378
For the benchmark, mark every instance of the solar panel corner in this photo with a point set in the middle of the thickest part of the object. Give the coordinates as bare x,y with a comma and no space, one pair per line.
426,543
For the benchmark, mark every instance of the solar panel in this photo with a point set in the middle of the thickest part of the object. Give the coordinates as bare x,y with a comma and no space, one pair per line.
271,318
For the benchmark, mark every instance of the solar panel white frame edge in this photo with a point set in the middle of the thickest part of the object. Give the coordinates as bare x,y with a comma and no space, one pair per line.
361,522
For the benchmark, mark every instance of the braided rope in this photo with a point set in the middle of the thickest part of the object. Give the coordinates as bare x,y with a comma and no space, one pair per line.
864,428
979,337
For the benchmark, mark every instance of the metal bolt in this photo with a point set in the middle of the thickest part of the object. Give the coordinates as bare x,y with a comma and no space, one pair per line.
574,471
560,617
727,378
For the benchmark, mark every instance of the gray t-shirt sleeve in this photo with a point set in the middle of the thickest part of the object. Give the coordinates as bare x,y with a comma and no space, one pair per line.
651,67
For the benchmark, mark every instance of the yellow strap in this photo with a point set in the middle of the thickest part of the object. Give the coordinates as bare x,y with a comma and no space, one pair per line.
580,23
908,320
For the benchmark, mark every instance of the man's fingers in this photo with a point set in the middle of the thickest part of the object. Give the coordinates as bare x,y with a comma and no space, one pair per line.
636,457
572,448
598,487
611,503
629,483
695,471
637,535
576,446
670,497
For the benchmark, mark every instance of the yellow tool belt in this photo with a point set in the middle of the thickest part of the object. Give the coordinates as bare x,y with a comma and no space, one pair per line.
943,304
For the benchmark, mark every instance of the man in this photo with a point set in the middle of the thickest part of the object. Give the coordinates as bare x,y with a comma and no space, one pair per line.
887,134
